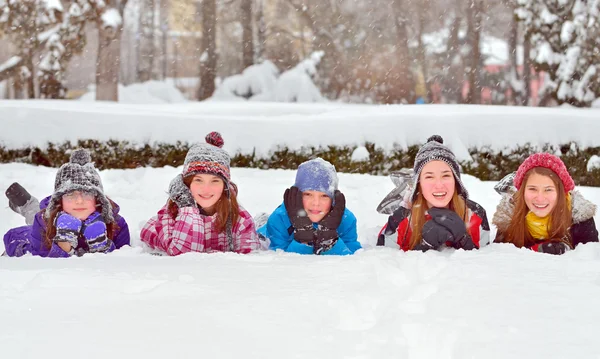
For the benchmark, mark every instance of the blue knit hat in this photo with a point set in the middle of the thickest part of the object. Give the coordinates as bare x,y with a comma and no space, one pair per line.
317,175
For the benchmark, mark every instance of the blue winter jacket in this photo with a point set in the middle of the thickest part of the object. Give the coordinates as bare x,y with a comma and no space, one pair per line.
280,232
28,239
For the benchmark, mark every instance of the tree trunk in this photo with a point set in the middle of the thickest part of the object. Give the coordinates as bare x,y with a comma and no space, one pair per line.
405,82
247,34
423,9
208,61
108,63
512,55
527,64
474,33
261,33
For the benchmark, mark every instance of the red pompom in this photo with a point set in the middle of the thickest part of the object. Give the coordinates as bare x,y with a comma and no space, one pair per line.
215,139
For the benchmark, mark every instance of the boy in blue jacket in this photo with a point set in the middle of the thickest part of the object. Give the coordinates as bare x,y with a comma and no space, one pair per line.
313,218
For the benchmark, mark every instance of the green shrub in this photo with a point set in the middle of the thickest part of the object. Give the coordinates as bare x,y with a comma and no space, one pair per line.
487,164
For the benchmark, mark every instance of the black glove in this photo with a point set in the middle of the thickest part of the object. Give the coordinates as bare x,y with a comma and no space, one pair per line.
327,235
22,202
433,236
553,247
180,193
303,226
450,220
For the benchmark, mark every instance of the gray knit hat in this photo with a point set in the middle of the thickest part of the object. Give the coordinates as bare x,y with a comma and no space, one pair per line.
79,174
434,150
209,158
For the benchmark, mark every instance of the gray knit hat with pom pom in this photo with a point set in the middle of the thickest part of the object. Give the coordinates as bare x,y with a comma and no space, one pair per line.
434,150
79,174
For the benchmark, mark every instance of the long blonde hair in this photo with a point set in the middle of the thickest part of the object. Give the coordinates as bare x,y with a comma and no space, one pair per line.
417,215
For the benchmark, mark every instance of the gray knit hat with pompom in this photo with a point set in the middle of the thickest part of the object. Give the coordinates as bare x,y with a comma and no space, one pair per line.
79,174
434,150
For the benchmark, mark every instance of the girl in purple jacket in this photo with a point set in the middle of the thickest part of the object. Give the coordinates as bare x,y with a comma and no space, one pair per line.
77,219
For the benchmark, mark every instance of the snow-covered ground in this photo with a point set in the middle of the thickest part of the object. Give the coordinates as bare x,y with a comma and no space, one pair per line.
498,302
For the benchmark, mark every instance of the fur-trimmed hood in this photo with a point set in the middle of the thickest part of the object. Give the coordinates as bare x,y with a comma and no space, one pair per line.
582,209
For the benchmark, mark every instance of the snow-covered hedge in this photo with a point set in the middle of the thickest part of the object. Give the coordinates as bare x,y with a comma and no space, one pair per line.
487,164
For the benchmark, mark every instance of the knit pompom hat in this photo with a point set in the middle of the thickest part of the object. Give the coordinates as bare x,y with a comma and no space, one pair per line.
545,160
317,175
434,150
208,158
79,174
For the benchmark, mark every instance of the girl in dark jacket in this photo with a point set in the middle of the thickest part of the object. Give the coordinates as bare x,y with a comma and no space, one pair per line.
541,211
436,211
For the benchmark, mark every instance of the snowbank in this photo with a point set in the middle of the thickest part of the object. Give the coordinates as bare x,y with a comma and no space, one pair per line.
248,126
380,303
151,92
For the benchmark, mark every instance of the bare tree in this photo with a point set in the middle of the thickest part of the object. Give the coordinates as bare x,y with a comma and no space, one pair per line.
474,13
403,73
261,30
146,42
109,19
208,60
247,21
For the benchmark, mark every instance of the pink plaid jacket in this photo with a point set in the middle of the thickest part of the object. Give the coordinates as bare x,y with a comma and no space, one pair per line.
194,232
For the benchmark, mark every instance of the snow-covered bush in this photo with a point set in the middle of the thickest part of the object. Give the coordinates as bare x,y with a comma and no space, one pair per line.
486,164
263,82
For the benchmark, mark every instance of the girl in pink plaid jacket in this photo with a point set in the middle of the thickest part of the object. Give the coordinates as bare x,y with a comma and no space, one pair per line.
202,213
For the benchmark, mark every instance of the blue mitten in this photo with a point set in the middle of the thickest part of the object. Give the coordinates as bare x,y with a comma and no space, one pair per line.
67,229
94,232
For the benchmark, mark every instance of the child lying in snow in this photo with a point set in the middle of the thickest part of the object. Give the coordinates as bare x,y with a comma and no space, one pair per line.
76,219
202,213
540,209
313,218
437,211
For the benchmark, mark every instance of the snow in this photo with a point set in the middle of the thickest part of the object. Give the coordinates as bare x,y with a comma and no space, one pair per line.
254,80
54,5
53,31
494,50
111,18
12,62
261,127
379,303
566,34
262,82
360,154
151,92
593,163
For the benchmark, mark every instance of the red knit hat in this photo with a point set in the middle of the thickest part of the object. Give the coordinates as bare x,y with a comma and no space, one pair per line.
549,161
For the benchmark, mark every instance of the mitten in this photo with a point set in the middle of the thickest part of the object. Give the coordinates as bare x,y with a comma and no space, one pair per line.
68,229
326,235
303,226
22,202
180,193
433,236
553,247
94,232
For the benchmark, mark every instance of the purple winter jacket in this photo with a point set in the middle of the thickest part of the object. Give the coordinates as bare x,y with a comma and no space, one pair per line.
28,239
